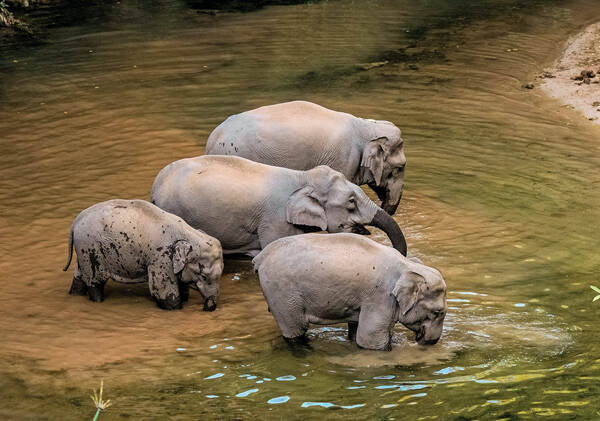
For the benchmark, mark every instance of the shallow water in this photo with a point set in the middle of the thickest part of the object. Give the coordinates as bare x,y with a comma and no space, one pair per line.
501,196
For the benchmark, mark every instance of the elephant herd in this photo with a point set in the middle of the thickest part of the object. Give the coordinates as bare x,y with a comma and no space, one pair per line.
270,178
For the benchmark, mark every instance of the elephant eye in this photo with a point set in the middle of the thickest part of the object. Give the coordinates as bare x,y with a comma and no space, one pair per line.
351,203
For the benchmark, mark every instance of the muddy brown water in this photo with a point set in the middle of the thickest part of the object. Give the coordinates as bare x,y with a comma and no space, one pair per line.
502,196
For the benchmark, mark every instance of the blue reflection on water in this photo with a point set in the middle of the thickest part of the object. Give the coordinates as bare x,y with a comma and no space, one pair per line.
214,376
449,370
212,396
402,387
246,393
287,378
386,377
279,399
358,405
322,404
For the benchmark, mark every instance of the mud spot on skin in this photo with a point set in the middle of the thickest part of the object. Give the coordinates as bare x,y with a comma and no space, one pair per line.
114,247
124,234
120,207
159,249
94,262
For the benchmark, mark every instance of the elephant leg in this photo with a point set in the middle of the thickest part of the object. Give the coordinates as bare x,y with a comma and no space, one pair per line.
375,324
78,287
184,291
352,328
164,288
96,291
290,318
299,346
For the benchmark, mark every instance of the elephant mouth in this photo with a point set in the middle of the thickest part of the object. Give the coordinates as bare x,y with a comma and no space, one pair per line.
210,304
420,338
390,208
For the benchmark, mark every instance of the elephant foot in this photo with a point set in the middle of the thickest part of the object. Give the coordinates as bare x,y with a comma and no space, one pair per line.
299,345
78,287
96,292
352,328
170,303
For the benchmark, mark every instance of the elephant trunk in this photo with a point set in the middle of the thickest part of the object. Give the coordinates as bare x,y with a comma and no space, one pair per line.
210,304
387,224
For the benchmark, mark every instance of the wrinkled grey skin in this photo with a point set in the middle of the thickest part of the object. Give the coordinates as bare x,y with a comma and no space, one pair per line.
247,205
326,279
134,241
301,135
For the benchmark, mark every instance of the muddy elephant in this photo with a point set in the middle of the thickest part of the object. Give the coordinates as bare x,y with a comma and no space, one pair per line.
134,241
247,205
326,279
301,135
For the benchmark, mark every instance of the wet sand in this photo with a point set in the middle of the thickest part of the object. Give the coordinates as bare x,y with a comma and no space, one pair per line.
582,53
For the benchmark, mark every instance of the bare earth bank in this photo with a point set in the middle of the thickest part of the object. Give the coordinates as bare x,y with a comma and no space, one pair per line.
574,78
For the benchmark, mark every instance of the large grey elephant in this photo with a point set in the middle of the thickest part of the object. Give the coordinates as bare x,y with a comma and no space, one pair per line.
134,241
301,135
247,205
326,279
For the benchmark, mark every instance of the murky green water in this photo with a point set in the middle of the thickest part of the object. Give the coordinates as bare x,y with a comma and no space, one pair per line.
502,196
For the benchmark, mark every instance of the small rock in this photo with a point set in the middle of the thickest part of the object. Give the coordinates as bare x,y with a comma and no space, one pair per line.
529,86
596,104
587,80
413,67
547,75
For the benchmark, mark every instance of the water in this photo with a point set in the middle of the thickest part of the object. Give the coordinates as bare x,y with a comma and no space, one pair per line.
501,196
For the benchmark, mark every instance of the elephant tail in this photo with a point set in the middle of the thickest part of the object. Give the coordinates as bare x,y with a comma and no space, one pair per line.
70,249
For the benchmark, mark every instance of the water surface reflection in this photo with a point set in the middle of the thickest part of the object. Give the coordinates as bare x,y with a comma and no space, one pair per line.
501,195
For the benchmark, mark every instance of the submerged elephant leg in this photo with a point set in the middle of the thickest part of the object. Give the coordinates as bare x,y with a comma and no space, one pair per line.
375,324
78,287
164,288
299,346
96,291
352,328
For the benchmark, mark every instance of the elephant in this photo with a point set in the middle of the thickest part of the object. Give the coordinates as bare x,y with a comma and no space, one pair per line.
336,278
301,135
134,241
247,205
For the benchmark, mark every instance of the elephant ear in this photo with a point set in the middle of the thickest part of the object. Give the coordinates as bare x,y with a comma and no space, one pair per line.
180,252
304,209
407,290
373,156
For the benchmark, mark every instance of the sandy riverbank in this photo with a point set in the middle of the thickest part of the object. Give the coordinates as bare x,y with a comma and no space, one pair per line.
567,81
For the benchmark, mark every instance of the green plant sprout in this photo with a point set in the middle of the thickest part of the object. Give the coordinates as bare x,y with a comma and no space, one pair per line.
98,402
597,297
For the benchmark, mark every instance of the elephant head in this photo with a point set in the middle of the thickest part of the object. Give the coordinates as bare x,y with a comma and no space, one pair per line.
200,268
332,203
383,162
421,296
